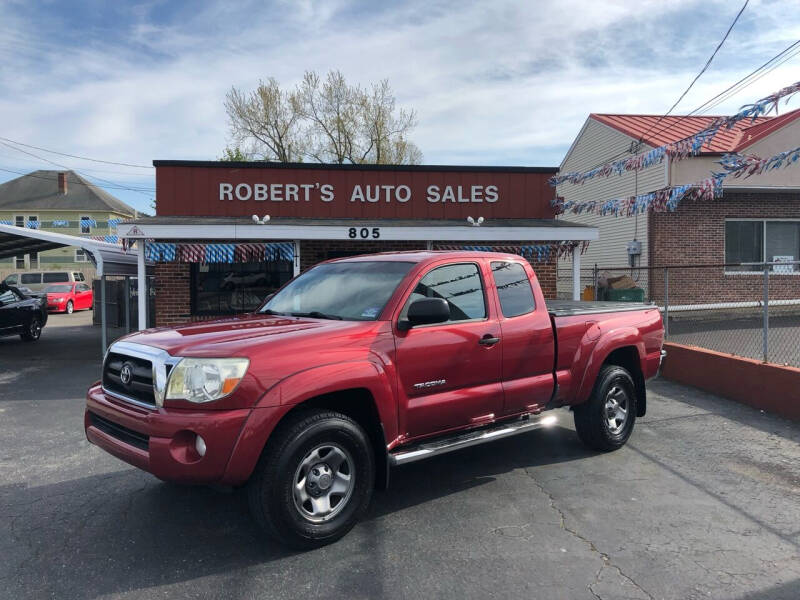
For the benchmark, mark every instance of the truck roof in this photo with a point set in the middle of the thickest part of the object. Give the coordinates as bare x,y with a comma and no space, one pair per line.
417,256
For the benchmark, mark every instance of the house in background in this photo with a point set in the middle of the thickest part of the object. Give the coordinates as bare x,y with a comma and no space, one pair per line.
756,219
64,202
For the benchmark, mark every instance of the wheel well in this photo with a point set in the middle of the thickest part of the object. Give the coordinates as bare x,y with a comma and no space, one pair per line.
359,405
627,357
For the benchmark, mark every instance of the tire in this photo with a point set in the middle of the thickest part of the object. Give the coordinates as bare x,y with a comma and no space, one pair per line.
321,448
33,331
70,308
599,422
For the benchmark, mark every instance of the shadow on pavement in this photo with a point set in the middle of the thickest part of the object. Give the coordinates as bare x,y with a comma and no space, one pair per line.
126,531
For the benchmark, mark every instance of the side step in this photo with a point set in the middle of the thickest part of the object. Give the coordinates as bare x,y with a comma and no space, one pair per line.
439,446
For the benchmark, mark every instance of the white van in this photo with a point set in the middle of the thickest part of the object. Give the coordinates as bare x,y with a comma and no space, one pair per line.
38,280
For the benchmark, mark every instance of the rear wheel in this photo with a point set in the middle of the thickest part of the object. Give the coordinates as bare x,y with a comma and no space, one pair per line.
314,479
70,307
605,421
33,331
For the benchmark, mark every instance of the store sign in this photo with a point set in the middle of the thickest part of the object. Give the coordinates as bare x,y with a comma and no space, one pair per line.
327,192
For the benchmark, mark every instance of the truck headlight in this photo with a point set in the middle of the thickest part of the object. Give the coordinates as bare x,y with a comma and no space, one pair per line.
205,379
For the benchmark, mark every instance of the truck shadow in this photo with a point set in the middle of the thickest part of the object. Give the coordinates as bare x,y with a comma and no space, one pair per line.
125,531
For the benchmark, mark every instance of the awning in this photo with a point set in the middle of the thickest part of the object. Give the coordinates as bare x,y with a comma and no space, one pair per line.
109,259
232,229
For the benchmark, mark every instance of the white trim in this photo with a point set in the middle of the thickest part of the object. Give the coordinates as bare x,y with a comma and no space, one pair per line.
330,232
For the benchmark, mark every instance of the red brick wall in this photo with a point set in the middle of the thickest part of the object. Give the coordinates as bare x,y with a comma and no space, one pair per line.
173,296
695,234
173,299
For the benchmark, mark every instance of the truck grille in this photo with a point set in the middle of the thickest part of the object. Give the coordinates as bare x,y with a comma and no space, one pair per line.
129,436
139,386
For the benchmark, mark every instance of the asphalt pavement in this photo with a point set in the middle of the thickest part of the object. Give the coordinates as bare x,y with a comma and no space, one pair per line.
704,502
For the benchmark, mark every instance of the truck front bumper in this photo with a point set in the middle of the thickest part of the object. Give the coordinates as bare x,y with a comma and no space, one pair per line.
162,441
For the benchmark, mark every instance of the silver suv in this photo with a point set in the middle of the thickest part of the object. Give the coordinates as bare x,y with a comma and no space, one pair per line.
38,280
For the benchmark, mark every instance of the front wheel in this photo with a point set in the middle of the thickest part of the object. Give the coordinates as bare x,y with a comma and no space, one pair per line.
33,331
70,307
314,479
605,421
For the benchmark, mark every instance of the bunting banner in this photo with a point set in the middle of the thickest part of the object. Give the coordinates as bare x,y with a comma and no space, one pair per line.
667,199
738,165
217,253
6,223
112,223
32,224
539,252
88,223
59,223
664,200
681,149
109,239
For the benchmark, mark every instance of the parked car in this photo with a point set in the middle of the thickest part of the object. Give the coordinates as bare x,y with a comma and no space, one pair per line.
69,297
365,363
38,280
21,315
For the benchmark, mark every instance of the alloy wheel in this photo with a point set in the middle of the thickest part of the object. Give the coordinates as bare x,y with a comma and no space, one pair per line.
616,409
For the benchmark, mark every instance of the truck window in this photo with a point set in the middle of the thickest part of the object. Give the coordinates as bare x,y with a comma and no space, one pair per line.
28,278
460,285
513,289
53,277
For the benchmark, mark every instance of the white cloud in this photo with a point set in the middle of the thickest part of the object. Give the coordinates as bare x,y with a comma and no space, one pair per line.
499,82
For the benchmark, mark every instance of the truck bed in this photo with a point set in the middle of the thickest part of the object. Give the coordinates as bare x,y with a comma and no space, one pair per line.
570,308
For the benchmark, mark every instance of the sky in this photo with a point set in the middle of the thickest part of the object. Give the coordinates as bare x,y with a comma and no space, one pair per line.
493,83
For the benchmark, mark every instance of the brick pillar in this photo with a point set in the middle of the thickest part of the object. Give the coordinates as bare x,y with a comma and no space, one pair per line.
173,294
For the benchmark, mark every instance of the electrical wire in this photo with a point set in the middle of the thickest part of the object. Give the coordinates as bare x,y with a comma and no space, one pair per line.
97,160
143,191
703,70
87,184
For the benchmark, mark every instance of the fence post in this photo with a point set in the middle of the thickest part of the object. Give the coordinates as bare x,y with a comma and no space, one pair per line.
765,332
666,302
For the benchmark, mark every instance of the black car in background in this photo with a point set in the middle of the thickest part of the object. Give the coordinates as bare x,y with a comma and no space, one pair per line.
21,314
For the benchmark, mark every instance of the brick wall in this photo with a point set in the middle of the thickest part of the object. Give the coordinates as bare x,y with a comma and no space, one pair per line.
173,297
695,234
172,280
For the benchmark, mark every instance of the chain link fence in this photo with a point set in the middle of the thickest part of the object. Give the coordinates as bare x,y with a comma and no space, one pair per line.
746,309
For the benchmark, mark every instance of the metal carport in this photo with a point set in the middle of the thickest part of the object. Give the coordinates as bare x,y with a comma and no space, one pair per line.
108,259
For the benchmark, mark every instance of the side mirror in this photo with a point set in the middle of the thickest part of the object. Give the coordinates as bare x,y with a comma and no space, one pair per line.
426,311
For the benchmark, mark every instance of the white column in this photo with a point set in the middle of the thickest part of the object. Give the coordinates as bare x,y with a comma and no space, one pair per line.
296,258
576,273
141,276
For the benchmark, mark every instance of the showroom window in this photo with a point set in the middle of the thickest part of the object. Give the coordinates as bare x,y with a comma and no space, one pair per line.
225,289
762,240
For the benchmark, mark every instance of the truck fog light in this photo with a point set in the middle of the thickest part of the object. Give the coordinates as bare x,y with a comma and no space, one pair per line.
200,445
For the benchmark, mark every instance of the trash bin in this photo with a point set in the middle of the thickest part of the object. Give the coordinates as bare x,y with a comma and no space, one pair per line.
630,295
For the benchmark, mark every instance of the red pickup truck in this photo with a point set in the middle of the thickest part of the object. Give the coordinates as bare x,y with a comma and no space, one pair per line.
362,364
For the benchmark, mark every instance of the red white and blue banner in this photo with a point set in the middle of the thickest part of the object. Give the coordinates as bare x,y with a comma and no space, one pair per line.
218,253
540,252
690,146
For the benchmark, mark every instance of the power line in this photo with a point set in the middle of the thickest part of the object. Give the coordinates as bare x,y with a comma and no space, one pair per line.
703,70
97,160
87,184
143,192
737,87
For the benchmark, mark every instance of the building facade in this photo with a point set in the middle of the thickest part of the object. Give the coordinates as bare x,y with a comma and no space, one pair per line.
62,202
756,219
227,234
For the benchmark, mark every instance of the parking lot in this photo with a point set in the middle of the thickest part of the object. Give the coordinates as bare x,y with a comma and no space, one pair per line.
703,502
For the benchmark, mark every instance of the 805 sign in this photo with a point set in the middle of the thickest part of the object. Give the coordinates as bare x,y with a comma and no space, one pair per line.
364,233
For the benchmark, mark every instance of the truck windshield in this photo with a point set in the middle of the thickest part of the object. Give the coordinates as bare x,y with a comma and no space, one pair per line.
353,291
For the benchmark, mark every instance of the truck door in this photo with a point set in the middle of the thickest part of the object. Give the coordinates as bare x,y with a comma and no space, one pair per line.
449,373
528,341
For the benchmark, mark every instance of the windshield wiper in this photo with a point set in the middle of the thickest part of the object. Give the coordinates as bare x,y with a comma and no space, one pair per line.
315,314
269,311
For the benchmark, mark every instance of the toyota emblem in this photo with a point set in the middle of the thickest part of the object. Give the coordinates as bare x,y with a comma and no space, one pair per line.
126,374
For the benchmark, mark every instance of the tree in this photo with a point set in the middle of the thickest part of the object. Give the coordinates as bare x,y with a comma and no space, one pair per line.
234,154
265,122
322,120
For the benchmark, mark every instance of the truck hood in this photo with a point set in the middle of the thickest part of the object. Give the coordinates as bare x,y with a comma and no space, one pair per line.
235,336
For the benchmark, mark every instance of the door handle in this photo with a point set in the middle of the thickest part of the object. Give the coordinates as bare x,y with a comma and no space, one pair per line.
488,340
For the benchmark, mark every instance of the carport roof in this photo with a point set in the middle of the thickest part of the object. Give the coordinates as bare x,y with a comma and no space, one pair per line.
109,259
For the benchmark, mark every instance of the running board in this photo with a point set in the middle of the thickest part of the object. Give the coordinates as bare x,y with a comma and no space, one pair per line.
458,441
